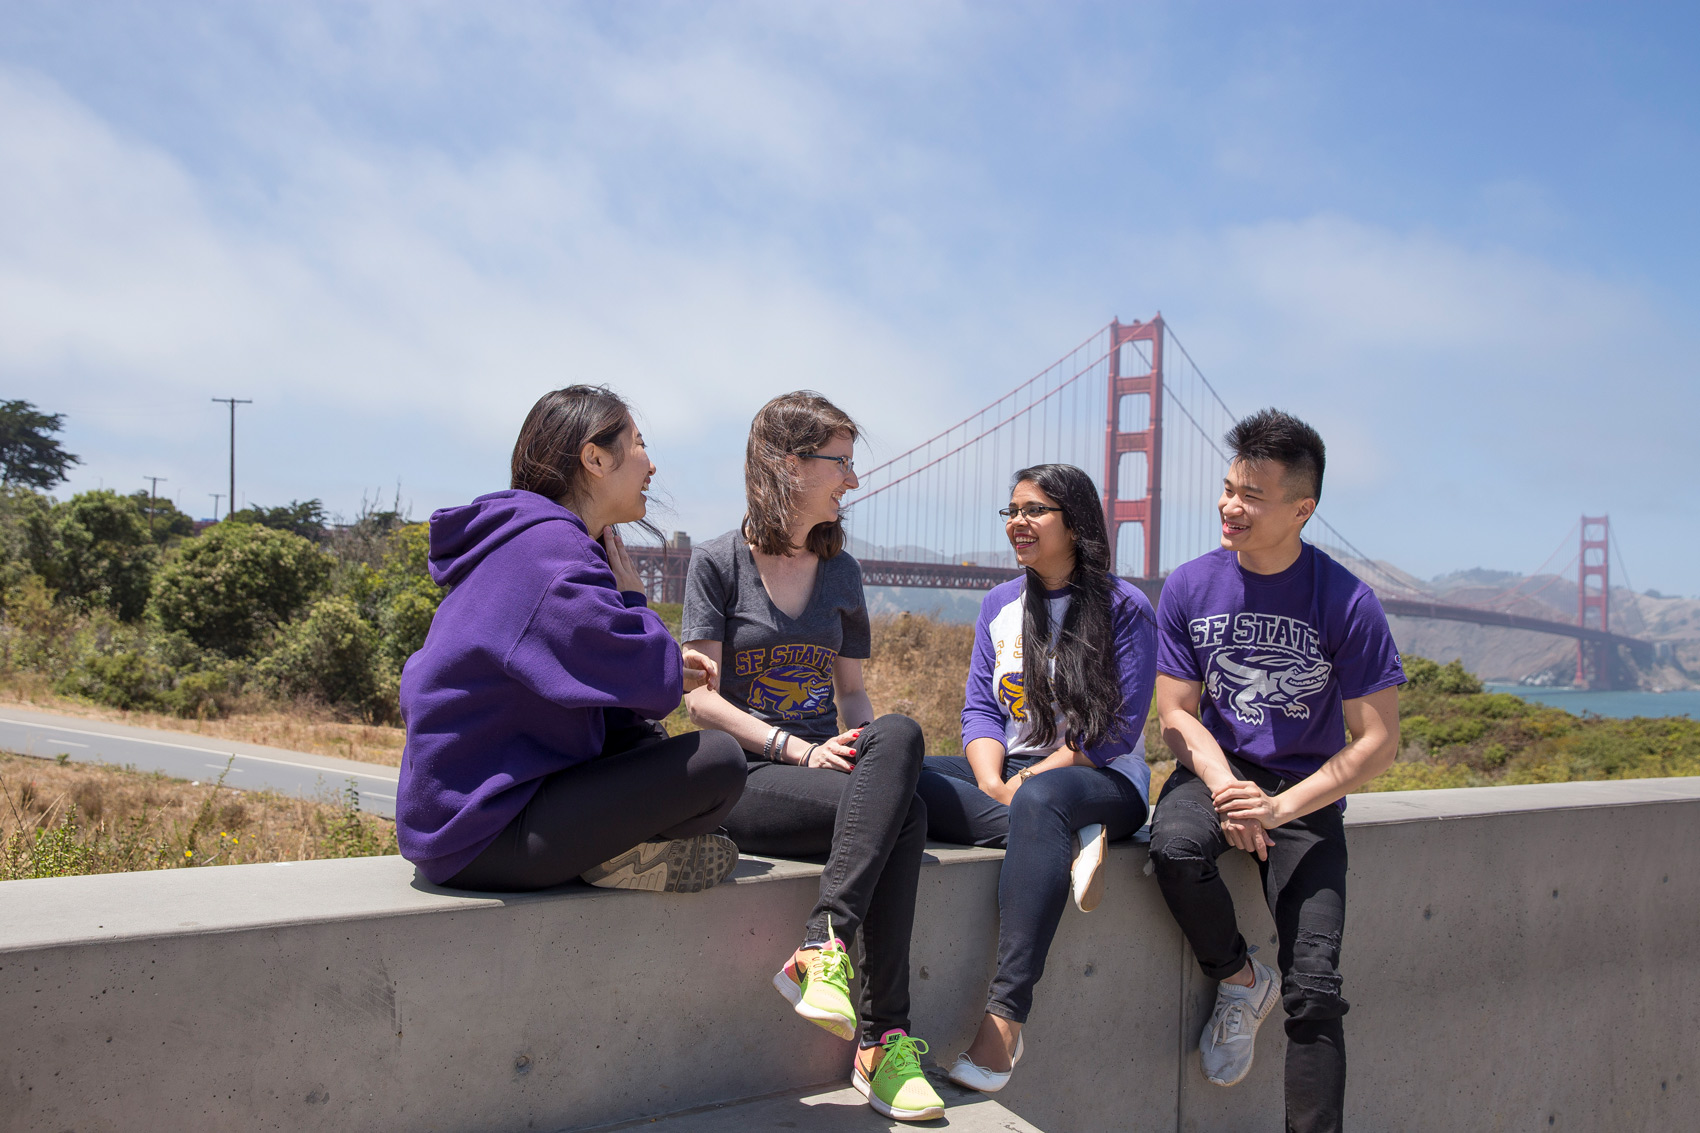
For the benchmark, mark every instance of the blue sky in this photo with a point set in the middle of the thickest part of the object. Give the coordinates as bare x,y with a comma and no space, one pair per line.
1458,238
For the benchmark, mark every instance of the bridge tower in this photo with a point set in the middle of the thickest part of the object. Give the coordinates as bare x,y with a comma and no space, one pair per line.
1594,662
1136,402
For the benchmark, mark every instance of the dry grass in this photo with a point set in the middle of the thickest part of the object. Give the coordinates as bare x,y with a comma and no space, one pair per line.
58,819
918,668
301,727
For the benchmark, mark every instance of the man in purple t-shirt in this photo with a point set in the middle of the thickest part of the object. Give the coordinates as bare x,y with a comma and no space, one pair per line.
1284,649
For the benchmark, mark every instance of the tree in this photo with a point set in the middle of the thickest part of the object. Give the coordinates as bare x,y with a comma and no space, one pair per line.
331,655
231,587
29,454
164,521
95,548
305,518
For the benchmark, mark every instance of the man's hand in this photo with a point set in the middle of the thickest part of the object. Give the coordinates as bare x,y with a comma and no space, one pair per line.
1247,836
1248,803
700,672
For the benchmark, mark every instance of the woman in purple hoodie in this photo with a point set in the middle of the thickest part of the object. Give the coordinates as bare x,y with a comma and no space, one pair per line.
531,758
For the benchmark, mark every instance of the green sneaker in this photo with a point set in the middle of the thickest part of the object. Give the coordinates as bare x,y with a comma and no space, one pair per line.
820,992
899,1089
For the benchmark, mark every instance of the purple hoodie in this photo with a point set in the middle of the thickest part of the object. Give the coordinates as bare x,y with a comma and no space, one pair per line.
533,645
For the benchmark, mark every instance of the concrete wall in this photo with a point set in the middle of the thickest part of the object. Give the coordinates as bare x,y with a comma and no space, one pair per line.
1517,958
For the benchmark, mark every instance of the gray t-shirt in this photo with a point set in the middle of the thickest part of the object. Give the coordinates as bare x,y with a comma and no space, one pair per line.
773,666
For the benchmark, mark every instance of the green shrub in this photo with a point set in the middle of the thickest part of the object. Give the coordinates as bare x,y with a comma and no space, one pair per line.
95,549
127,679
229,589
1451,678
331,655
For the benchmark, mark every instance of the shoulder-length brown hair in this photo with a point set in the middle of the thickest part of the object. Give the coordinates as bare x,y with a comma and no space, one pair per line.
791,424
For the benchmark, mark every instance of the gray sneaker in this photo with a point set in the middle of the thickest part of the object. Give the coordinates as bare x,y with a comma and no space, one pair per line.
1226,1046
683,865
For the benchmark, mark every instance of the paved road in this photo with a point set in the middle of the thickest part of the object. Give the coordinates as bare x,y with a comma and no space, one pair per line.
192,757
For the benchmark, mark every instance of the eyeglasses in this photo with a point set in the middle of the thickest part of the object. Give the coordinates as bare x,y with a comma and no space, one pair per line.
846,466
1026,511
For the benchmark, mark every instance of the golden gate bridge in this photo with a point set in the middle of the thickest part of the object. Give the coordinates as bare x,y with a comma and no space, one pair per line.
1131,407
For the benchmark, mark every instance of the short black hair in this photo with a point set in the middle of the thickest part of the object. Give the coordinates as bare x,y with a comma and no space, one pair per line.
1271,435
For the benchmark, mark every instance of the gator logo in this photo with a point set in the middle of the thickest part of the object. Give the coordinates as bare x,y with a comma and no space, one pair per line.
1011,696
791,692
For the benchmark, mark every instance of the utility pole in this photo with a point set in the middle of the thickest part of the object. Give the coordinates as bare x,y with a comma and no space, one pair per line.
233,402
153,494
217,496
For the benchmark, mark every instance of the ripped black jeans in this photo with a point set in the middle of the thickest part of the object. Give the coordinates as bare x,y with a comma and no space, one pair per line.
1304,882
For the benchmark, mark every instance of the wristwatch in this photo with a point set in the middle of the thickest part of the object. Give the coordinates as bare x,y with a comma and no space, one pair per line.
1025,774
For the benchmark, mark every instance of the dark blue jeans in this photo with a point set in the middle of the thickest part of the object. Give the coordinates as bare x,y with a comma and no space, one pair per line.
1037,833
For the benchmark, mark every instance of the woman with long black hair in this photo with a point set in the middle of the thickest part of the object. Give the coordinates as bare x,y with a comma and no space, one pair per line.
1052,733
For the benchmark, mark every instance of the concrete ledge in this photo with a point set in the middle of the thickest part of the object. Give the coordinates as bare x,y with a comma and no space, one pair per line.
1512,954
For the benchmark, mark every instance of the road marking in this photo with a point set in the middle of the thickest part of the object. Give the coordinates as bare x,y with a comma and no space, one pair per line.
379,775
221,767
376,795
72,743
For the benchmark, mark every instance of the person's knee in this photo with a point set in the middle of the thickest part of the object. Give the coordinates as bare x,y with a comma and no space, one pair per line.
1178,856
915,822
903,734
720,761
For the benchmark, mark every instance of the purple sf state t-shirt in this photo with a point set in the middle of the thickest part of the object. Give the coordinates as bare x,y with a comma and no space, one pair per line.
1276,653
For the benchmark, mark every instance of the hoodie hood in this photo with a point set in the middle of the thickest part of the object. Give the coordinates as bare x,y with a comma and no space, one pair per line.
461,537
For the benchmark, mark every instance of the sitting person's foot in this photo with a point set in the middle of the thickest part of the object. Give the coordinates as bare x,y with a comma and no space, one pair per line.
890,1077
817,983
1230,1037
1091,847
677,865
990,1059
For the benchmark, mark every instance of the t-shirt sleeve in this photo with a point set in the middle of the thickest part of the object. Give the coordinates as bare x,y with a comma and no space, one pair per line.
1136,668
706,599
858,642
1368,659
1175,657
982,715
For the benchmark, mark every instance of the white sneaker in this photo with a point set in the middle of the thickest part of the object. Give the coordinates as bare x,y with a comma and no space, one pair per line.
965,1072
1229,1039
682,865
1087,877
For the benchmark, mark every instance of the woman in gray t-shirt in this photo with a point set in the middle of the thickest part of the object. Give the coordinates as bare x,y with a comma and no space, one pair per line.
777,606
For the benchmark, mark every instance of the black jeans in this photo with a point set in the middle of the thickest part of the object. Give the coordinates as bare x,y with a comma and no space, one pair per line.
1304,882
581,817
872,828
1038,828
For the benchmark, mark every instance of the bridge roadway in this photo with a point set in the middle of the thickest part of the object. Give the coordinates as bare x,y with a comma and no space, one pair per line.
964,576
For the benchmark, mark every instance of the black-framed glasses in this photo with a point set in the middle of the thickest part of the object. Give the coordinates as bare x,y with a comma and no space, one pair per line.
846,465
1026,511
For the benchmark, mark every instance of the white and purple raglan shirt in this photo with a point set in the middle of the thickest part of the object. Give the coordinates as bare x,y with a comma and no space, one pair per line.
1276,654
995,708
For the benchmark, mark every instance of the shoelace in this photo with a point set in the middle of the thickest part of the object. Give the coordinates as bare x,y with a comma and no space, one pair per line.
902,1056
1229,1022
830,964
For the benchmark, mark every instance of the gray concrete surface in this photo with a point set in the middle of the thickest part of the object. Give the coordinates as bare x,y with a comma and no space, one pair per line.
831,1108
184,755
1516,958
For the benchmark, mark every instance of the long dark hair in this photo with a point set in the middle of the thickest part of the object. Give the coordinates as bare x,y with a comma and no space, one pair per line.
546,454
1085,686
790,424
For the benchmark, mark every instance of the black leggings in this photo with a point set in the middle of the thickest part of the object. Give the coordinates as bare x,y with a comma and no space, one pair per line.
581,817
872,828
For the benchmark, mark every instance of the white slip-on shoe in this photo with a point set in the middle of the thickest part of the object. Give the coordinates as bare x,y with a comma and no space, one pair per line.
1091,846
1230,1037
681,865
965,1072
